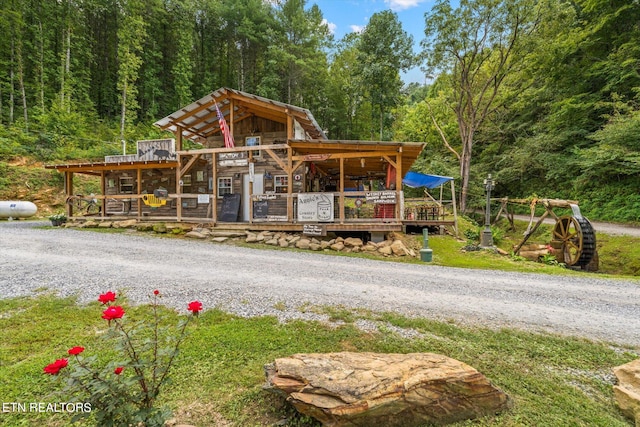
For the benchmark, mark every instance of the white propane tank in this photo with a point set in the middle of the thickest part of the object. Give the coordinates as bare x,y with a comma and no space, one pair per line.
17,209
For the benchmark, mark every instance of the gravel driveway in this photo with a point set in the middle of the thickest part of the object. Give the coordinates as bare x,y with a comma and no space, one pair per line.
251,282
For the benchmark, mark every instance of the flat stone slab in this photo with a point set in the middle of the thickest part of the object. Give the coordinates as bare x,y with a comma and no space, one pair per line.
373,389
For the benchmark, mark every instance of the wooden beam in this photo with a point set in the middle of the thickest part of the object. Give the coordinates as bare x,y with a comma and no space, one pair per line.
350,155
189,164
138,192
214,184
341,199
392,162
68,184
179,138
236,149
178,189
289,185
275,158
103,190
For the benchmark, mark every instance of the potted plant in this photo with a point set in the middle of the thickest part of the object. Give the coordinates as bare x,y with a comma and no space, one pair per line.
58,219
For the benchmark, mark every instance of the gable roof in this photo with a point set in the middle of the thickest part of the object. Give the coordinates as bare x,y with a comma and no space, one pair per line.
199,120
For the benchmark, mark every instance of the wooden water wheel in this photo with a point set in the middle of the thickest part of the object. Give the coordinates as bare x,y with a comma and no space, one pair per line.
575,239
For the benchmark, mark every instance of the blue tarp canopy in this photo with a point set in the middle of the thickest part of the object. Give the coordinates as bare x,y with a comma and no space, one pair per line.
415,179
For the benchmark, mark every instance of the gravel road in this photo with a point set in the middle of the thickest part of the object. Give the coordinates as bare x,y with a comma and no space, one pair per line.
251,282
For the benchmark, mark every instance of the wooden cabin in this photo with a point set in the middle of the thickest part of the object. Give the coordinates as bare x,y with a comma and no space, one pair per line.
281,173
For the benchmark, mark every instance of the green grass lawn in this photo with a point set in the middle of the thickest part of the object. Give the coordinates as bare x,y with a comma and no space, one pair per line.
218,378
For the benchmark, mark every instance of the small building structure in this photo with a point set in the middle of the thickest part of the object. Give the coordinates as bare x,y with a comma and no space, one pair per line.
278,172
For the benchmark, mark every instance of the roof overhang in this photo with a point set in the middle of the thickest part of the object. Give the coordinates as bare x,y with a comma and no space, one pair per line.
199,120
361,159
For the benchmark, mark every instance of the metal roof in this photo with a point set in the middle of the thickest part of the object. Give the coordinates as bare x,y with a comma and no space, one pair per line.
199,120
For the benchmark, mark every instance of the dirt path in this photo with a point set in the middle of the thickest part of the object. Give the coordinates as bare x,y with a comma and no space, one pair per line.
251,282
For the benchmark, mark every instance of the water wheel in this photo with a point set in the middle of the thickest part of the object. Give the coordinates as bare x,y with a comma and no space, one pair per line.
575,238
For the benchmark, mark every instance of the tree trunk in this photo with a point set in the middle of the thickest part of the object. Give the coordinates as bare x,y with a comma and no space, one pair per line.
123,110
465,164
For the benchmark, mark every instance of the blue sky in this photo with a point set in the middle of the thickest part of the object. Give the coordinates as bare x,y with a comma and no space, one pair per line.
345,16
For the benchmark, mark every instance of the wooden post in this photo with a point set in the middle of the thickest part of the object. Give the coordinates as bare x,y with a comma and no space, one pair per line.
341,200
214,184
290,184
398,183
68,183
139,191
178,188
179,138
103,189
250,196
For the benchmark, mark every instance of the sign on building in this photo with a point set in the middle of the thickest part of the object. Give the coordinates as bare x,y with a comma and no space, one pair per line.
315,207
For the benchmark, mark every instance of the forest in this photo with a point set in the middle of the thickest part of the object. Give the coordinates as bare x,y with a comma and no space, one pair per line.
542,94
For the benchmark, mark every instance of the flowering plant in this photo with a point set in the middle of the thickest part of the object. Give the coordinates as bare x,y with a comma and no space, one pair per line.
123,392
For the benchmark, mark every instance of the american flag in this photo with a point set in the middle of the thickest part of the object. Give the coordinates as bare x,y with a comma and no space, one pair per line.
228,138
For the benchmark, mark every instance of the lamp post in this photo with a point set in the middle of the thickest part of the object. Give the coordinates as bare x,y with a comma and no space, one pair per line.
486,240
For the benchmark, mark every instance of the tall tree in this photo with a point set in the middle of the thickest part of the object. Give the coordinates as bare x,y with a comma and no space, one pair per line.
384,49
131,34
297,51
476,46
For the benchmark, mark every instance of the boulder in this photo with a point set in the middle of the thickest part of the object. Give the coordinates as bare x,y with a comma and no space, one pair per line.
283,242
220,239
398,248
353,242
372,389
385,250
338,246
627,391
303,244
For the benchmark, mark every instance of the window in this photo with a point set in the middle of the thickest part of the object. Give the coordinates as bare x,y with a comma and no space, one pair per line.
225,186
126,184
280,183
252,141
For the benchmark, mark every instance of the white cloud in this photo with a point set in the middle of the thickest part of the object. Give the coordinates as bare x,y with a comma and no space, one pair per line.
397,5
332,27
357,28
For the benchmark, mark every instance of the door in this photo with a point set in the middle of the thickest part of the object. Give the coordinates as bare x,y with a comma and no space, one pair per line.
258,188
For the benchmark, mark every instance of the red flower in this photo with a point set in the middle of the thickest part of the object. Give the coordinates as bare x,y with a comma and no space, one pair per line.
107,297
194,306
118,370
54,368
113,312
75,351
156,292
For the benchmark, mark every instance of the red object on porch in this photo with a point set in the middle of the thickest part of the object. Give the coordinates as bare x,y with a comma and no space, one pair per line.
384,210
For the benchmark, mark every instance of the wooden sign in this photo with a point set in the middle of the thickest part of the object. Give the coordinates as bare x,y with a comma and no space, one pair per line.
238,158
314,230
380,196
315,207
316,157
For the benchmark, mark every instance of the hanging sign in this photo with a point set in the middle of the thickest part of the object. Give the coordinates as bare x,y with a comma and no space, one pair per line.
380,196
